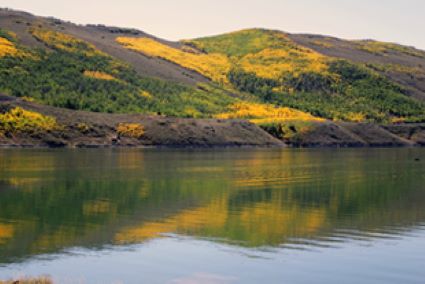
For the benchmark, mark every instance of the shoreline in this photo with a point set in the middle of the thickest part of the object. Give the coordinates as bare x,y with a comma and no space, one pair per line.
81,129
209,147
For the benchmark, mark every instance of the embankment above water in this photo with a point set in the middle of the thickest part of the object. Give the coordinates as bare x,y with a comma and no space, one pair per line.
27,124
87,129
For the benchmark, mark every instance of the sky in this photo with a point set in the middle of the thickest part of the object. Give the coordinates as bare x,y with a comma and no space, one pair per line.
400,21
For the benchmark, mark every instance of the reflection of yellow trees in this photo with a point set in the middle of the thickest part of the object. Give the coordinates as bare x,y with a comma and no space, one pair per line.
254,198
212,216
60,237
96,207
131,159
19,164
263,223
6,232
269,223
23,181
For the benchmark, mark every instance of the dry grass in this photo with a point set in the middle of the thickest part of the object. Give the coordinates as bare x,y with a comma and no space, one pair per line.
39,280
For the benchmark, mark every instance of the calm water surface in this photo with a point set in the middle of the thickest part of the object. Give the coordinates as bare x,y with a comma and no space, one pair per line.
213,216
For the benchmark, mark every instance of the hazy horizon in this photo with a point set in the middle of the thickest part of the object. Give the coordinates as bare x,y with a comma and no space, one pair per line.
396,21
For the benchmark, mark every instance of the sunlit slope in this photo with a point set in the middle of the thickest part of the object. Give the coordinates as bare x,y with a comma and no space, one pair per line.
277,70
75,74
402,64
8,46
214,66
266,53
119,70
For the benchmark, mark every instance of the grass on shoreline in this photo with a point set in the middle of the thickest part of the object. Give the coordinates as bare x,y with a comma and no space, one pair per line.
38,280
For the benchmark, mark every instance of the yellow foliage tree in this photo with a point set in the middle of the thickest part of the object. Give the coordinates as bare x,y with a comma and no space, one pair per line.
268,55
272,63
132,130
99,75
214,66
21,120
263,113
7,48
65,42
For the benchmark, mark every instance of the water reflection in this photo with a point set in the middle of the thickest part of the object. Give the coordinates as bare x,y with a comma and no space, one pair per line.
54,200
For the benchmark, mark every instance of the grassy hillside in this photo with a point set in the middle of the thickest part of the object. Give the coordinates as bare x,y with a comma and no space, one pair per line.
269,77
73,74
279,71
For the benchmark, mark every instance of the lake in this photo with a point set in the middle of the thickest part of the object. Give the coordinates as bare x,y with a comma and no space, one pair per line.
213,216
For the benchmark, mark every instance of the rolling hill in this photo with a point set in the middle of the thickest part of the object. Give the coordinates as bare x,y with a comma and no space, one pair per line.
303,89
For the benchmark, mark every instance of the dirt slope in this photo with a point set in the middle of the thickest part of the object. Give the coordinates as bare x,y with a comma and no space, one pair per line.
104,39
100,130
411,66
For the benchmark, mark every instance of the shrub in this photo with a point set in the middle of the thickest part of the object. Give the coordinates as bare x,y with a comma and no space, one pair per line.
287,130
214,66
56,77
99,75
309,82
21,120
83,127
348,72
264,113
7,48
132,130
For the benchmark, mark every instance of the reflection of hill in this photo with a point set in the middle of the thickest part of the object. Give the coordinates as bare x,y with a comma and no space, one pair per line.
252,198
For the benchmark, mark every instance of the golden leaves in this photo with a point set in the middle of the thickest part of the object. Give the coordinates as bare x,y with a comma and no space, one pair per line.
7,48
99,75
262,113
132,130
6,232
65,42
21,120
273,63
268,54
214,66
